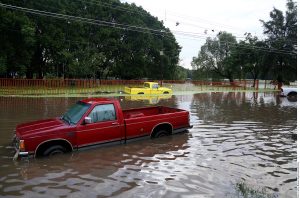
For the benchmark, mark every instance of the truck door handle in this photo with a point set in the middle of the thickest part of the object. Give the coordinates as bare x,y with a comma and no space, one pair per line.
114,123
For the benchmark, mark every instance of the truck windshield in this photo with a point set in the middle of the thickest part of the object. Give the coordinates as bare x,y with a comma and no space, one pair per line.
73,115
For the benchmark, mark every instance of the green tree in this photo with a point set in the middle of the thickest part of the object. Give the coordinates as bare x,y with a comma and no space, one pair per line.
252,57
282,37
71,48
216,55
17,43
181,73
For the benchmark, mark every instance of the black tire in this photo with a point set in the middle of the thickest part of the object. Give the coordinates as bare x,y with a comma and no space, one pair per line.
292,94
166,92
141,93
54,150
161,133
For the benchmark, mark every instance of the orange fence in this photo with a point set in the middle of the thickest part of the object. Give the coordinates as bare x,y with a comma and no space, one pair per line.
64,83
90,83
59,86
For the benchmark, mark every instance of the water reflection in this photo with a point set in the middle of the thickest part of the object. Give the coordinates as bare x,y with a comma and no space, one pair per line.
236,137
135,101
150,99
228,107
104,171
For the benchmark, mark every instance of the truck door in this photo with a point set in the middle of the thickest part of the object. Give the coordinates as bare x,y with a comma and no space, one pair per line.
154,89
104,127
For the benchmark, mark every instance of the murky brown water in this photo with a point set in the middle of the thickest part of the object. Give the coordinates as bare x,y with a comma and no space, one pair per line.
237,137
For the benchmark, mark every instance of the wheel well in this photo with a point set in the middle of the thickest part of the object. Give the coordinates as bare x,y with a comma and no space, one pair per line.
141,93
42,147
166,92
292,93
166,127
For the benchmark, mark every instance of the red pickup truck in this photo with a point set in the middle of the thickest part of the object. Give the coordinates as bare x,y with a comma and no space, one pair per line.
96,121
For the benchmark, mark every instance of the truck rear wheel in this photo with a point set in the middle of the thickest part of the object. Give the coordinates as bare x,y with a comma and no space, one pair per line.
292,94
161,133
54,150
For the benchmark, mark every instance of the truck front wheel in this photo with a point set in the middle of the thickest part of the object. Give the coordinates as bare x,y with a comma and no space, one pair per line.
161,133
54,150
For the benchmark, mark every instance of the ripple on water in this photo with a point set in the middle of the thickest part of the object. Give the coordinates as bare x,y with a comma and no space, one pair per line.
225,146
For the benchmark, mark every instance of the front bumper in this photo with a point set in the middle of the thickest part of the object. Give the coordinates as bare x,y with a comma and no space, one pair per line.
18,154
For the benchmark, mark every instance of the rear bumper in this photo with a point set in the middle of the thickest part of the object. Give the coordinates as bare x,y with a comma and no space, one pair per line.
182,129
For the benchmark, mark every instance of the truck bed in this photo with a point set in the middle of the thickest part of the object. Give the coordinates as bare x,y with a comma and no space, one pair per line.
148,111
142,121
131,90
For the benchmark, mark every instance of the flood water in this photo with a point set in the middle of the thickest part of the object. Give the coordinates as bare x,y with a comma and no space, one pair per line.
236,138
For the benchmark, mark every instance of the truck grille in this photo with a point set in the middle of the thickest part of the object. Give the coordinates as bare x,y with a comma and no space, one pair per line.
16,142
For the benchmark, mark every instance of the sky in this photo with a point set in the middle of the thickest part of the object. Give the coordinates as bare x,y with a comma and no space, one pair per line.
207,18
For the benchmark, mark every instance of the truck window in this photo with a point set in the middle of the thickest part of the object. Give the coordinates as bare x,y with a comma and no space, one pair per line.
102,113
154,86
147,85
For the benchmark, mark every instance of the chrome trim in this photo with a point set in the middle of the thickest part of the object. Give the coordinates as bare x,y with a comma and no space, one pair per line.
23,154
52,140
161,124
18,154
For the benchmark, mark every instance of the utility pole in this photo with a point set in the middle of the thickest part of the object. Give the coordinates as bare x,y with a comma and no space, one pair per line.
161,53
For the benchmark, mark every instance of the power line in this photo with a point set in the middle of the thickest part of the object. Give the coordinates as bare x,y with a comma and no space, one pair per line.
111,6
88,43
125,26
245,46
93,2
189,17
86,20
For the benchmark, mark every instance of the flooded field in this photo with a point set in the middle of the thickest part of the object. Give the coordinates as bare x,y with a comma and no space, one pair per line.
238,140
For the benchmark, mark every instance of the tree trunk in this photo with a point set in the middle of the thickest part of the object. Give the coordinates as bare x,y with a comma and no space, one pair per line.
230,77
254,82
37,62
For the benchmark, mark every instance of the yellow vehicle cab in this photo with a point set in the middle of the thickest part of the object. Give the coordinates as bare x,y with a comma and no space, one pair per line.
148,88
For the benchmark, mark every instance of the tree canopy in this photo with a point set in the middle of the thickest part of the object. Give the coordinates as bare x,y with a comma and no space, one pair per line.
282,35
216,55
274,57
84,39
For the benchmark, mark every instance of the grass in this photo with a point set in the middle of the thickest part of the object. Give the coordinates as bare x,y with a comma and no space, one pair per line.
115,90
246,191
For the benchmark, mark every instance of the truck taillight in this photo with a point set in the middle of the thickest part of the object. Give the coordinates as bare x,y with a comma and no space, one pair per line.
22,145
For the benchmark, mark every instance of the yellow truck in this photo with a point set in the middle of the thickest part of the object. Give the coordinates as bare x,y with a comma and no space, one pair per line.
148,88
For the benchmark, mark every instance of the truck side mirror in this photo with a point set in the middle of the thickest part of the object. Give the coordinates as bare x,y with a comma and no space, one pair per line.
87,120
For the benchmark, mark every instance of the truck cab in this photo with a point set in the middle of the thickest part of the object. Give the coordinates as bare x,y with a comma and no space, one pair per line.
148,88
